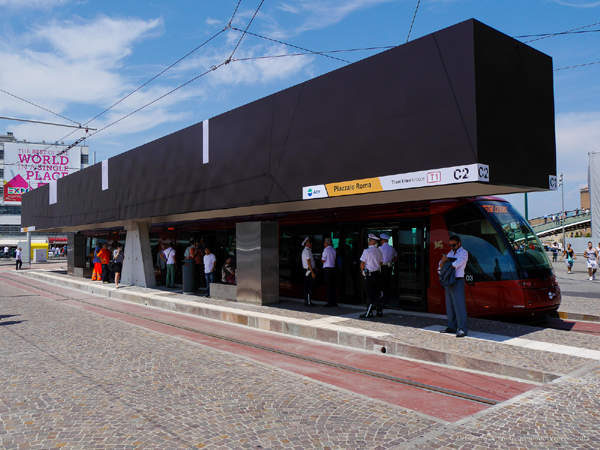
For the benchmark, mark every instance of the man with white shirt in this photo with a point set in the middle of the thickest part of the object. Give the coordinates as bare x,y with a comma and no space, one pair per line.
6,255
456,307
592,260
370,265
18,260
310,272
390,256
328,259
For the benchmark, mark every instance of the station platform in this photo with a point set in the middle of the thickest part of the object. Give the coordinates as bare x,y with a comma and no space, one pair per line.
518,351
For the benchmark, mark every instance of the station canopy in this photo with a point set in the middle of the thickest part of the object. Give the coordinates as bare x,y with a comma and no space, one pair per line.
465,111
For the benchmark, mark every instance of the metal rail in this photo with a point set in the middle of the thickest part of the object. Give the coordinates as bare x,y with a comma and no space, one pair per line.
403,381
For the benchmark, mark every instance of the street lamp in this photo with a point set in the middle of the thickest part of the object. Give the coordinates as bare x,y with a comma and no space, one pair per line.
562,190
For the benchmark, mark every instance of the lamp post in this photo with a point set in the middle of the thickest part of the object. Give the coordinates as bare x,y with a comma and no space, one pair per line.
562,214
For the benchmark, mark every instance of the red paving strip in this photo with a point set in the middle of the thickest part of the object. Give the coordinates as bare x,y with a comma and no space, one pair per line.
438,405
569,325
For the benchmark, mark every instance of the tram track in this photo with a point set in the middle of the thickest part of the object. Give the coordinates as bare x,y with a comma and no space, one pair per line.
308,359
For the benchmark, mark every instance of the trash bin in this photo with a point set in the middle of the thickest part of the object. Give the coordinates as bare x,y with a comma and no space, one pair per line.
189,276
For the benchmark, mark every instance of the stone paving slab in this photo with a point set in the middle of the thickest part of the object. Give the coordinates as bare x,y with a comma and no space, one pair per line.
77,380
399,332
561,414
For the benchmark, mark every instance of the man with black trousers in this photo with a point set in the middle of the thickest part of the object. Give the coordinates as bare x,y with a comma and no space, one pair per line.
328,259
370,265
310,274
390,256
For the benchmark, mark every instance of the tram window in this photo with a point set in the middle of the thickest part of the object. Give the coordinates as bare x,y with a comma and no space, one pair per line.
489,257
531,257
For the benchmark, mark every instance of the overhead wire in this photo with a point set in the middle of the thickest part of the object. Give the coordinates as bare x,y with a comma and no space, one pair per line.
413,20
38,106
561,33
244,34
290,45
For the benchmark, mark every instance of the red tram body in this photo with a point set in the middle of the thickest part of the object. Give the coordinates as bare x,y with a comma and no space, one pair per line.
508,273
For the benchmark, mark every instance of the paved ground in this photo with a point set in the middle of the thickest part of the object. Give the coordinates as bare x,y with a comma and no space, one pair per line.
75,379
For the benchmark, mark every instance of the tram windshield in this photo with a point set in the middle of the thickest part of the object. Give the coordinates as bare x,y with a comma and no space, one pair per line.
500,242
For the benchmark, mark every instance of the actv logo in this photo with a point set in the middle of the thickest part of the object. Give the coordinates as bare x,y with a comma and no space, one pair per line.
315,192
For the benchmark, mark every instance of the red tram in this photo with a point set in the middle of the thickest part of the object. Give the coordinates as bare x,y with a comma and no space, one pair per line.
508,272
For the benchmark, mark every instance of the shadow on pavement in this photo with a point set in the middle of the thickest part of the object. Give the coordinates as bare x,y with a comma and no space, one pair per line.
12,322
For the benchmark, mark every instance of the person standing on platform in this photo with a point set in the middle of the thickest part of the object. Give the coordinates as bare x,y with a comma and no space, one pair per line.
104,256
310,273
370,265
197,254
328,259
6,255
390,256
18,260
97,271
169,257
210,262
118,259
456,307
592,260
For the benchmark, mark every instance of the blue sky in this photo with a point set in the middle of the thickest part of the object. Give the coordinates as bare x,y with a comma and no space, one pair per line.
77,58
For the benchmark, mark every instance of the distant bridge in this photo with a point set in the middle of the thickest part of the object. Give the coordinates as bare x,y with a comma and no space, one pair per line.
571,223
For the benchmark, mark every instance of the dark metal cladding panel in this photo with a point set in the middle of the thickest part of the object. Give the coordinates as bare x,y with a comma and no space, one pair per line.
411,108
515,110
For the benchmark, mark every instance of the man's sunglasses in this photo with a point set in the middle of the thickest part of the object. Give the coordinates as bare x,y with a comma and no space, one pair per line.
453,245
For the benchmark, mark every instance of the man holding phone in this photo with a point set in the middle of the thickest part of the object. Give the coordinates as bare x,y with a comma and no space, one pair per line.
456,308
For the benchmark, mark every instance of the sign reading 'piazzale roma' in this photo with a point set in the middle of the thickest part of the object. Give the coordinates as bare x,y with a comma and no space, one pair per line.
447,175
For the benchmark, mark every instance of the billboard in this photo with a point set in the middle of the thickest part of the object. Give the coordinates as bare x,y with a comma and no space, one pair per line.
28,166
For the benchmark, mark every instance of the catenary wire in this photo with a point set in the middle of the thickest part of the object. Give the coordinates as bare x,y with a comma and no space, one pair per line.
38,106
562,32
156,76
234,13
289,45
413,20
578,65
245,31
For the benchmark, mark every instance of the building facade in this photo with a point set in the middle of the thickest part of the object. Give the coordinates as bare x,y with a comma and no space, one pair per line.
25,166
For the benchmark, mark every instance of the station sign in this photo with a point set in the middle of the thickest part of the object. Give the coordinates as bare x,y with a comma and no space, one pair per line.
448,175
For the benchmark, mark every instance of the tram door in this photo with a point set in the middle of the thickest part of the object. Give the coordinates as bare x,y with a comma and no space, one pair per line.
412,264
348,254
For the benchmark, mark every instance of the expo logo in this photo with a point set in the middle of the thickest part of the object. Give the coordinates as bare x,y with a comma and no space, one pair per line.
16,190
434,177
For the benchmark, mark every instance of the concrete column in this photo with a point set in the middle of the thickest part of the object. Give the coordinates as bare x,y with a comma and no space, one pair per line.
76,257
138,269
257,253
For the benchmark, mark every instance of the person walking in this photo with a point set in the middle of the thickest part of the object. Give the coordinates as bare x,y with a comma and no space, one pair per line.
370,265
554,251
118,267
169,257
310,272
210,262
592,260
328,259
6,253
456,307
570,254
104,256
19,262
390,256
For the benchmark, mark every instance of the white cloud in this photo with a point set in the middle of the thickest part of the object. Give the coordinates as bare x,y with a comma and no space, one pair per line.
42,4
577,134
213,22
578,4
322,13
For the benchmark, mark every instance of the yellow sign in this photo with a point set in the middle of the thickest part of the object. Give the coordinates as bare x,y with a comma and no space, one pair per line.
354,187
